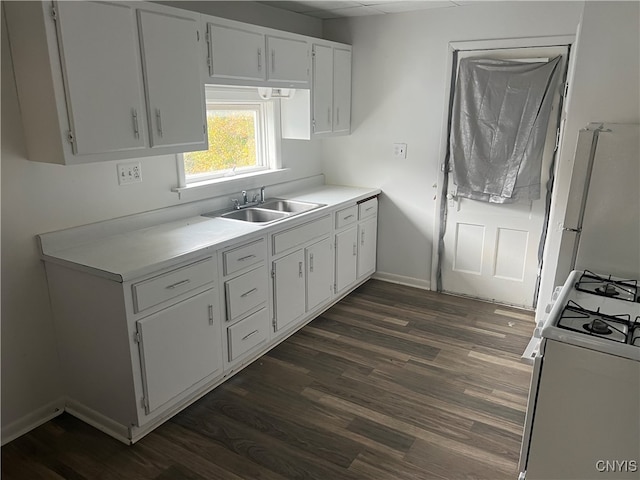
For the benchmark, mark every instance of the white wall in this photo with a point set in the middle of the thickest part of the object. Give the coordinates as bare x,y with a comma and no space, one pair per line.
38,198
605,88
399,79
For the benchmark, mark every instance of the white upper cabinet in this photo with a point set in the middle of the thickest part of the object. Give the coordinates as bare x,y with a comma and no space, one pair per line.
242,54
235,53
341,90
106,80
322,89
175,97
99,49
288,61
329,111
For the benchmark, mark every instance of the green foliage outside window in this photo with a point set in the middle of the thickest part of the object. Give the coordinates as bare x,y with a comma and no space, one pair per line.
232,143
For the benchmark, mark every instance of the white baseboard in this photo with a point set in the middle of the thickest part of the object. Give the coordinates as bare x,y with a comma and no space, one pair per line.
402,280
32,420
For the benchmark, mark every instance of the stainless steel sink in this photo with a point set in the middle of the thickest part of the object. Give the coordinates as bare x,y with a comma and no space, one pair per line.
255,215
290,206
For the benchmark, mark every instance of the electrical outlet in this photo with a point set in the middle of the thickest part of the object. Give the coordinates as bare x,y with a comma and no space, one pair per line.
129,173
399,150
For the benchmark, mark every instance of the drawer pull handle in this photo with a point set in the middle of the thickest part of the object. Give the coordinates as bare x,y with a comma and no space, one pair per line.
246,257
355,249
367,209
245,294
362,238
348,217
311,262
177,284
249,335
210,314
300,269
159,121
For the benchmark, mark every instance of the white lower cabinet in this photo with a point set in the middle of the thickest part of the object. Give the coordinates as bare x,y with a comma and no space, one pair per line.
319,271
367,240
288,275
134,352
346,258
179,347
244,336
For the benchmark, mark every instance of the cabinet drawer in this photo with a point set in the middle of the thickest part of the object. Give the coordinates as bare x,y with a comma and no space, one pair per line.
346,216
242,257
298,235
368,208
171,284
246,292
250,332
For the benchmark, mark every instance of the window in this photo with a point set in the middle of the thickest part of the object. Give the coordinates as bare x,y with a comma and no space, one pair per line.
242,136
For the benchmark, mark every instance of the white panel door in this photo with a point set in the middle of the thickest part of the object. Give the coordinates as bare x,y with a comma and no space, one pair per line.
289,288
288,61
175,92
319,273
346,258
491,250
179,347
341,90
236,53
367,239
103,76
322,88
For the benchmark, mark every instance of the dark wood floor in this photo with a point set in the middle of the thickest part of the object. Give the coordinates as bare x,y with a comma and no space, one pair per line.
391,383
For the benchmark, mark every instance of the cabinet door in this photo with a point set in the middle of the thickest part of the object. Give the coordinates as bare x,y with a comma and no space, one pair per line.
341,91
236,53
179,347
175,92
322,88
288,61
346,258
102,74
367,239
289,288
319,273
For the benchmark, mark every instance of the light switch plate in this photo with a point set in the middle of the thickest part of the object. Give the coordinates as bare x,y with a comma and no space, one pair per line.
129,173
399,150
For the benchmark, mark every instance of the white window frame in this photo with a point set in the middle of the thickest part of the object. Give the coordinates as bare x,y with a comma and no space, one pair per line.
267,132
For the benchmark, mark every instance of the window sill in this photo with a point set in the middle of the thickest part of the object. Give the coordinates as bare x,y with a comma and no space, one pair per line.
229,185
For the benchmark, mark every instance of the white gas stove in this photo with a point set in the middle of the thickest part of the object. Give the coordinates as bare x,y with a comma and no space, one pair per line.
598,312
588,359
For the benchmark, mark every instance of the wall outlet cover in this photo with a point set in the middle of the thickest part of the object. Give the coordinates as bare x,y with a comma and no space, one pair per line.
129,173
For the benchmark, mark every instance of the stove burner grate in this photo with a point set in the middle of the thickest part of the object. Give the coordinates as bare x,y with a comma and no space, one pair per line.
607,286
610,327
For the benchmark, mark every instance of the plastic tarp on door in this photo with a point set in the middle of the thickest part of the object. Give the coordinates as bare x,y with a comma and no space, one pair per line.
499,124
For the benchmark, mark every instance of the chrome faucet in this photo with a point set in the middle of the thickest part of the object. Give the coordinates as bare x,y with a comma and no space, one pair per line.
258,198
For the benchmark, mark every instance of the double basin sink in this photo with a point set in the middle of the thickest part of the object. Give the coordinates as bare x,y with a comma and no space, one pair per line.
268,212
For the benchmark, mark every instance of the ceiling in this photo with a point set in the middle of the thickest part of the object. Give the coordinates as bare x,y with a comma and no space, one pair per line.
326,9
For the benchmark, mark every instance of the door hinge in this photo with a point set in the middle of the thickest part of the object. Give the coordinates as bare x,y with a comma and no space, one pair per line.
137,338
335,244
54,13
70,137
273,322
204,129
557,139
335,287
566,90
273,273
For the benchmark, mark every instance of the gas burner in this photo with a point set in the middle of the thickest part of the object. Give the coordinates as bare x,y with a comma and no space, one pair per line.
597,324
606,286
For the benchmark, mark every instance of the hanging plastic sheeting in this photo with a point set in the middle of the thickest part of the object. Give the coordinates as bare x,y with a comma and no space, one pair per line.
499,124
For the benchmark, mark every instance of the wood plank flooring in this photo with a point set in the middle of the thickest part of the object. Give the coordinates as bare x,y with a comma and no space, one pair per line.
390,383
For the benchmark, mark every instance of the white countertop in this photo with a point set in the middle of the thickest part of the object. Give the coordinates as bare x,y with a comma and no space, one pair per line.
132,254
